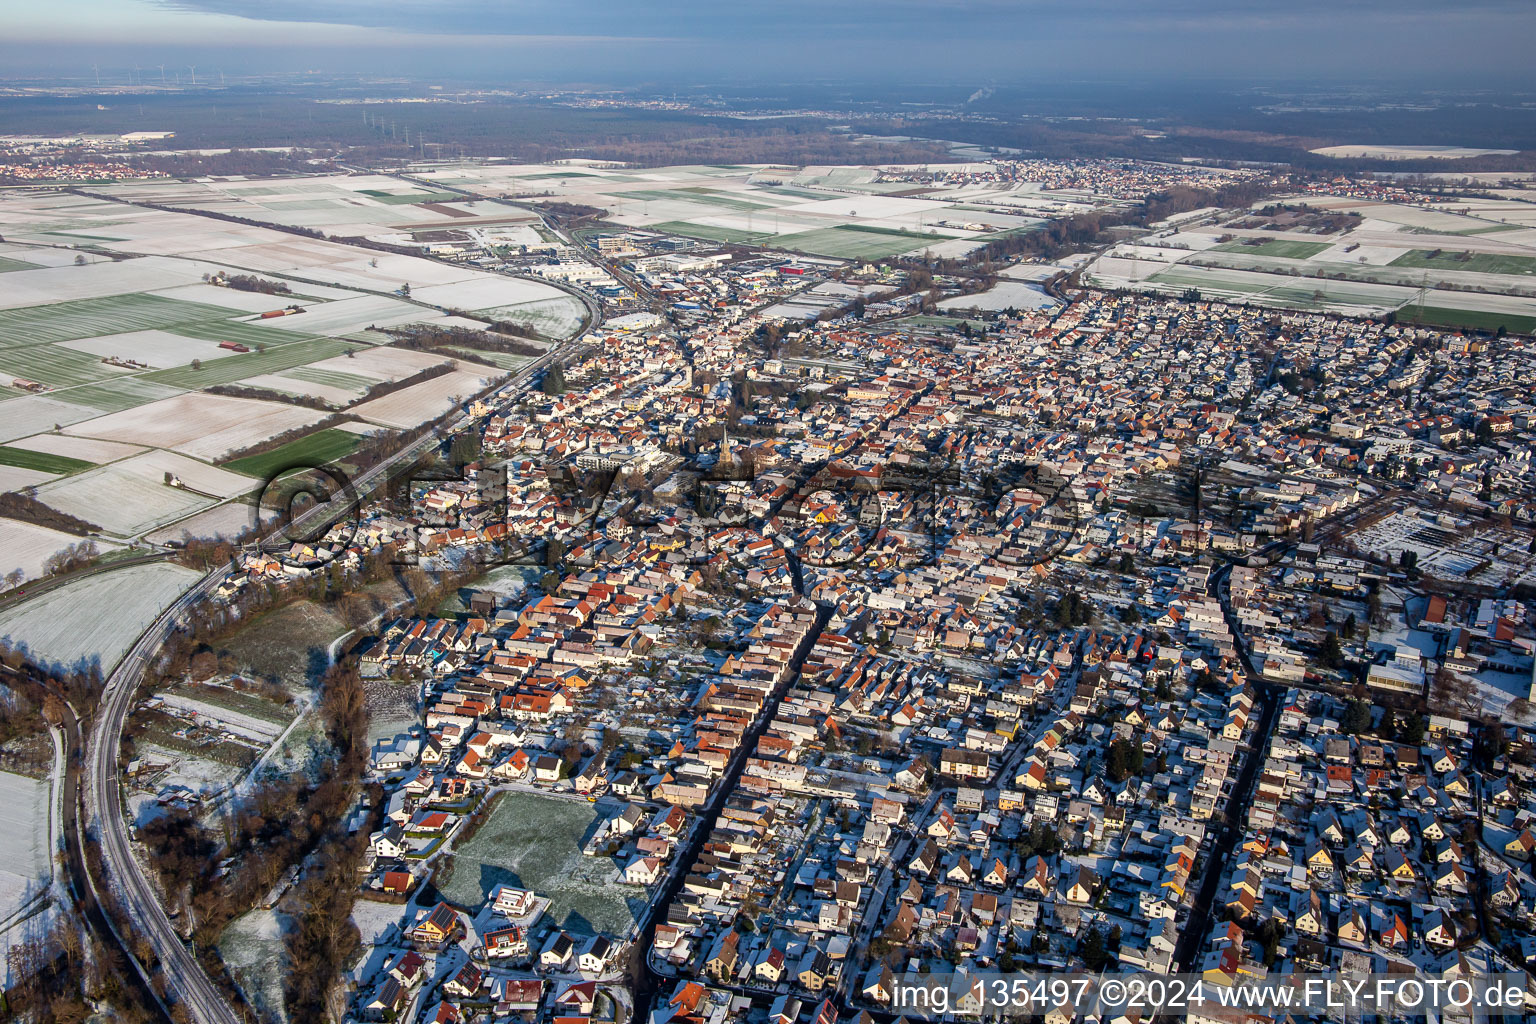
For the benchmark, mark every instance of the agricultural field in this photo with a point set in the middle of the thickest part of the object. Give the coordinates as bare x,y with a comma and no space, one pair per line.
1481,272
85,449
24,842
40,461
422,402
1467,262
1279,247
534,842
814,210
1467,319
203,426
130,498
95,619
320,448
26,546
1003,295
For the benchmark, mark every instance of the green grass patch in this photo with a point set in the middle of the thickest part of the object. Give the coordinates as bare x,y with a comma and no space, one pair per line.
323,446
1282,248
709,232
7,265
567,174
43,462
407,198
1470,262
228,369
27,326
1466,319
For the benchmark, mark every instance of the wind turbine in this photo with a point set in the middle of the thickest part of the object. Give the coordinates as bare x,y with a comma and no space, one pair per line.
162,74
136,78
193,68
98,73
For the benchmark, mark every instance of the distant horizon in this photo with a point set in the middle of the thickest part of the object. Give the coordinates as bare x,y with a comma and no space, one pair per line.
977,42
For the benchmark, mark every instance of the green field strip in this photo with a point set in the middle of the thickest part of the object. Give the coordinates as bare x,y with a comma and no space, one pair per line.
420,197
121,394
229,369
678,195
56,365
546,177
709,231
799,193
1466,319
1279,247
330,378
7,265
92,318
43,462
321,447
1467,262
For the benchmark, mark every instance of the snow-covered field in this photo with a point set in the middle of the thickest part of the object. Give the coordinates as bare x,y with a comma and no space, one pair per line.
14,478
22,416
379,363
228,520
421,402
96,618
24,853
26,547
87,449
203,426
1003,295
159,349
129,497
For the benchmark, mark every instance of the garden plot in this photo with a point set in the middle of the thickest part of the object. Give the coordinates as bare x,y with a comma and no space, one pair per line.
203,426
422,402
26,547
95,619
534,842
158,349
260,728
85,449
24,841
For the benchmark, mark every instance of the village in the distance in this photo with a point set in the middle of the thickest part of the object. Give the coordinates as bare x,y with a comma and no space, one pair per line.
459,589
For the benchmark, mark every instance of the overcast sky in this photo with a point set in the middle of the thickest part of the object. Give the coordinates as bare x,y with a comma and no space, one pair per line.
776,40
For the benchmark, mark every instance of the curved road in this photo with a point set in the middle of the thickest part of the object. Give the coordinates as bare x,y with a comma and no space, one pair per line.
104,822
